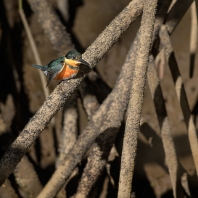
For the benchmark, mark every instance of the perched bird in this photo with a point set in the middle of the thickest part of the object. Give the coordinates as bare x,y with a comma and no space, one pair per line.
64,67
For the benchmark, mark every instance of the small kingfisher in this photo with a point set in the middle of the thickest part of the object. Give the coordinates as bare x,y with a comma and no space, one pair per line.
64,67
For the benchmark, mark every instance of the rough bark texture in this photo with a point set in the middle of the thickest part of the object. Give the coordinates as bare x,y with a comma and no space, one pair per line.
136,99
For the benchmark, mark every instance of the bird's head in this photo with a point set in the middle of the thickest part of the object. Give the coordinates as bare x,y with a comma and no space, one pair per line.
74,59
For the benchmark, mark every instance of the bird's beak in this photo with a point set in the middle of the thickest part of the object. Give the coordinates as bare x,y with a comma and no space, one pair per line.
76,62
81,61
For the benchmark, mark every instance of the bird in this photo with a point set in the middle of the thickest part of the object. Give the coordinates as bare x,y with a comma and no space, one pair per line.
64,67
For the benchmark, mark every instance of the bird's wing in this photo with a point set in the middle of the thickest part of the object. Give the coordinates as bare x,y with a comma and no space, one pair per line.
50,76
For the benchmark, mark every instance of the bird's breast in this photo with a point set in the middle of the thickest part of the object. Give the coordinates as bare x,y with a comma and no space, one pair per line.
66,73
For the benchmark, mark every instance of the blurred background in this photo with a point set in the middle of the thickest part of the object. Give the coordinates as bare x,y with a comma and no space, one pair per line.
21,93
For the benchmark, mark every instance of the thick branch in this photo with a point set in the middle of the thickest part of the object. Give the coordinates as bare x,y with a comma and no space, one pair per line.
136,99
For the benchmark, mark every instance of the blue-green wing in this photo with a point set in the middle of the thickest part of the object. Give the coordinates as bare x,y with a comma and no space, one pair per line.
53,68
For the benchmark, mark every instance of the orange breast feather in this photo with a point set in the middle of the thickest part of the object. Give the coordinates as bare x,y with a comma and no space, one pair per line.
66,73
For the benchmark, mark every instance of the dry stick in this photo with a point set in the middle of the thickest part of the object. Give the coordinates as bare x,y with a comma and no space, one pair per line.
193,38
136,99
118,101
63,91
166,134
34,49
180,91
70,129
27,179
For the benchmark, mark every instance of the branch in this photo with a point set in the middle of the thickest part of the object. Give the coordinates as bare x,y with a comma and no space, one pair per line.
64,90
136,99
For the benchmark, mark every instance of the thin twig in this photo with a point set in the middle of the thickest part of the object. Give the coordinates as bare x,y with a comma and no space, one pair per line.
63,91
136,99
34,48
180,91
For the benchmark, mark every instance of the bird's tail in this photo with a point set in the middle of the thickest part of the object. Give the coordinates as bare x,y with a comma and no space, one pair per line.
42,68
